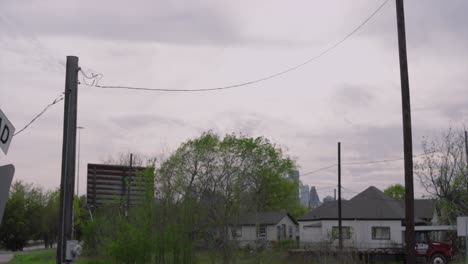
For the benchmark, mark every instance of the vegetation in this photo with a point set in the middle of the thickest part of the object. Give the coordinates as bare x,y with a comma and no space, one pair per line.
443,172
31,214
243,257
193,198
202,188
396,191
47,256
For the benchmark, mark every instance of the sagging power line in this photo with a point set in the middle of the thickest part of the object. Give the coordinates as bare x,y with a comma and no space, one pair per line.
56,100
97,77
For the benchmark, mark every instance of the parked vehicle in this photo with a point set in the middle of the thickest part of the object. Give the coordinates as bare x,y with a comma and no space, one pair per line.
434,252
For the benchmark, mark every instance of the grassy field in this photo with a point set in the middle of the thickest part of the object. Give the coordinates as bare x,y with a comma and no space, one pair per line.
47,256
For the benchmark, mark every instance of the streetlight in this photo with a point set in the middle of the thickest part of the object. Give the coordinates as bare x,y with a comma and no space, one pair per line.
78,172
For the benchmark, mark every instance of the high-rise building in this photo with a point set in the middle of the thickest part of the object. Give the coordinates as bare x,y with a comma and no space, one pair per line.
314,200
304,195
294,176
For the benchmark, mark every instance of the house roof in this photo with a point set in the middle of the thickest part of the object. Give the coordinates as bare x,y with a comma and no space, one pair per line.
370,204
263,218
423,208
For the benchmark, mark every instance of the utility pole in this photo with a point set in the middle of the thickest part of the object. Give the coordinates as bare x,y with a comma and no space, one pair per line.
65,226
407,137
340,227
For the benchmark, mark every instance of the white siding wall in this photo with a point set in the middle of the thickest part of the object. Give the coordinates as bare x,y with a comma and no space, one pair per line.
249,233
272,234
311,234
361,233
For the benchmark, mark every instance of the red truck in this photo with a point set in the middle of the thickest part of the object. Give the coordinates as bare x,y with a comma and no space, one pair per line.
434,252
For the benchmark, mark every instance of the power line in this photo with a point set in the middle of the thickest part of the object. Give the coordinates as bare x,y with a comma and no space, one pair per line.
97,77
382,161
56,100
318,170
361,163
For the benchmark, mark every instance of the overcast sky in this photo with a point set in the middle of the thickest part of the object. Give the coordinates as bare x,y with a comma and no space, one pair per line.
352,94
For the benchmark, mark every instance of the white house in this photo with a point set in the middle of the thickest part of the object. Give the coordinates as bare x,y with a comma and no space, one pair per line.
371,219
272,226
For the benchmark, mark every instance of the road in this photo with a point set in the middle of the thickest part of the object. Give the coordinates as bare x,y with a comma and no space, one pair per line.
5,256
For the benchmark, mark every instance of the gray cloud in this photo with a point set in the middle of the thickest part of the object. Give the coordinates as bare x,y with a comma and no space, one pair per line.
348,97
159,21
145,121
428,22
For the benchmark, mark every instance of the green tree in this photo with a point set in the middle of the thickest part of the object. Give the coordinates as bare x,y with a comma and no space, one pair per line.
81,214
50,218
223,177
200,191
14,231
30,214
396,191
443,172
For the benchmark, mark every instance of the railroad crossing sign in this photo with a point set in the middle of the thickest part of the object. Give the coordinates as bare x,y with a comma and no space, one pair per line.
6,175
6,132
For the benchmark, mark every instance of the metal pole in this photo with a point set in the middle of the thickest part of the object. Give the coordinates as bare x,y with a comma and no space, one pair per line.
65,223
129,182
78,168
466,156
340,227
407,137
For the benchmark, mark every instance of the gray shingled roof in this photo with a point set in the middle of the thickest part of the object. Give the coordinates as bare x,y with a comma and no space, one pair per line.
423,208
264,218
369,204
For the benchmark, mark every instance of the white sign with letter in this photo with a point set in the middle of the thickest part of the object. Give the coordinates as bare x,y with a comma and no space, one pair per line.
6,132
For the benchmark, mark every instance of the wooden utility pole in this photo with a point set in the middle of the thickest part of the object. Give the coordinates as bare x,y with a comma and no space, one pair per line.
407,137
65,226
340,227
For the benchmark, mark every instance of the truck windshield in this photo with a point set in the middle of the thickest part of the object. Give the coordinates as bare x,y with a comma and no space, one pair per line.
421,237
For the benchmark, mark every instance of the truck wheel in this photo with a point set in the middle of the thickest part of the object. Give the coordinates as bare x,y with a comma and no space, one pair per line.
438,259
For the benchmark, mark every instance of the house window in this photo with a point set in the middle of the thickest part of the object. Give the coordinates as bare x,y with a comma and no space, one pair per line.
278,233
345,232
262,231
236,231
381,233
290,232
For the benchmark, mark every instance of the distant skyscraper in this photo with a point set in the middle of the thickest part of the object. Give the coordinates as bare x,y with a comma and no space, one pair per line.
314,200
295,177
304,195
